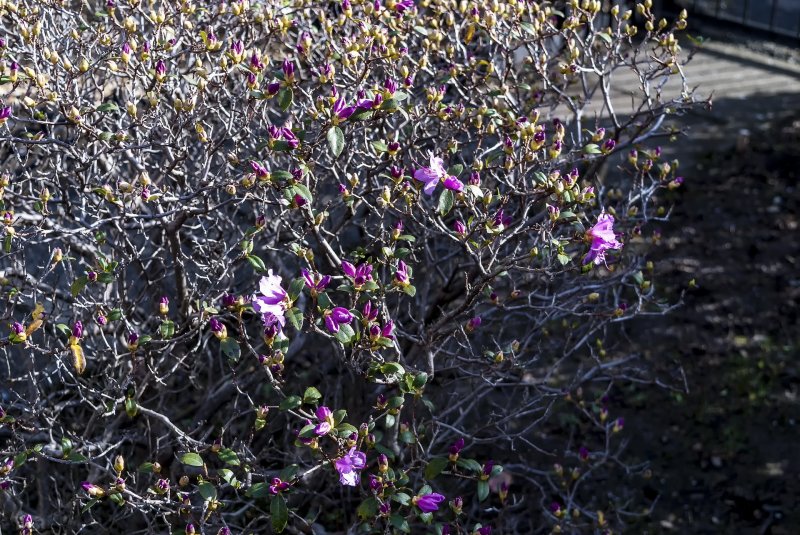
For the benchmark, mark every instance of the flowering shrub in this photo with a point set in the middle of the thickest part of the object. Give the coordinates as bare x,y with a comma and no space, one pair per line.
323,266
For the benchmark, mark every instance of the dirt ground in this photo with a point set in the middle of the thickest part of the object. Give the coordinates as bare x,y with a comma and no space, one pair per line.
724,456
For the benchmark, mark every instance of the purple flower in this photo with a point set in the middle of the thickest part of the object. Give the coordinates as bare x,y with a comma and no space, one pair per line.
237,48
17,327
485,530
603,239
314,282
163,305
325,417
434,174
402,275
161,70
336,317
273,88
369,312
429,503
133,340
277,486
5,113
487,468
474,323
255,62
360,275
402,5
288,70
272,301
77,329
349,466
341,110
457,446
218,328
93,490
390,85
500,219
583,453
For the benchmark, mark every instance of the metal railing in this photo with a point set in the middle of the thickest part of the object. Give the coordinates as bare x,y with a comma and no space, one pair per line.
780,17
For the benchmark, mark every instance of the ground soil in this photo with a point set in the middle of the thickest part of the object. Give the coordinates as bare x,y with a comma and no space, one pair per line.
724,455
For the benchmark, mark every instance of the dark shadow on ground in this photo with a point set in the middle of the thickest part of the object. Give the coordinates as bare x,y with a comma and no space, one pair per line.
725,456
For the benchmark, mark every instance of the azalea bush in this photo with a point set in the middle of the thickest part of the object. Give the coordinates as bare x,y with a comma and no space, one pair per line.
326,267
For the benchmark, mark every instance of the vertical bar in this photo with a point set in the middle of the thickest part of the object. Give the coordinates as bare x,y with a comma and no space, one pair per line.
772,14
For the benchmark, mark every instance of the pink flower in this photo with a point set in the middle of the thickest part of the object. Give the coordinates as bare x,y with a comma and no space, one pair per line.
603,239
336,317
436,173
349,466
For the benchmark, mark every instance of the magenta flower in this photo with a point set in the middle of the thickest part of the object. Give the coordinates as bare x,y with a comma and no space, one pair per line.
360,275
314,282
402,276
603,239
349,467
403,5
277,486
436,173
325,417
288,70
429,503
77,329
341,110
5,113
17,327
336,317
271,304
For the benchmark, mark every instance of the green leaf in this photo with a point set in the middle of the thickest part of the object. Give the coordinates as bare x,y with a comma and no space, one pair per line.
78,285
289,473
456,169
398,522
368,509
279,513
292,402
146,468
207,491
257,263
591,148
167,329
345,333
402,498
131,408
107,107
446,201
311,395
192,459
115,315
229,457
410,290
392,368
380,146
470,465
285,98
296,287
303,191
390,105
258,490
280,175
231,348
435,467
563,259
361,115
336,141
295,317
483,490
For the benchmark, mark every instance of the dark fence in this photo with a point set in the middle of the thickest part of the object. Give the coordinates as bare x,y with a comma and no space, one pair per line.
778,17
